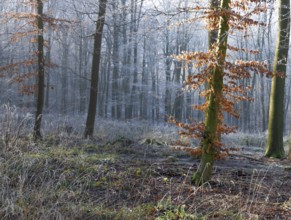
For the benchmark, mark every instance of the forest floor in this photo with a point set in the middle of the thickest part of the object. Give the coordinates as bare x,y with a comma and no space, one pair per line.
67,177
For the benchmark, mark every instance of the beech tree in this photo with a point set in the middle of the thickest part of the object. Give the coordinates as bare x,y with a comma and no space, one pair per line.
139,79
90,122
275,146
223,77
215,85
31,27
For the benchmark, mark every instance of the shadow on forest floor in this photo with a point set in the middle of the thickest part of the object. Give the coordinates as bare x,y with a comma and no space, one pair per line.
70,178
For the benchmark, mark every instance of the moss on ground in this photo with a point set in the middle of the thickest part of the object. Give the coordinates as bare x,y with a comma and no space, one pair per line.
59,179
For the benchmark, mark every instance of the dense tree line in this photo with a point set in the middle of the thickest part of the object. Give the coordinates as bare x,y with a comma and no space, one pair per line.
139,78
128,47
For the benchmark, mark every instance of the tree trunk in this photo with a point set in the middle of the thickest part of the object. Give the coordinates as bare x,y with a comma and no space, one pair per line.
261,46
95,70
168,63
106,75
81,70
115,108
213,34
40,76
212,39
135,21
64,74
276,115
48,60
263,108
144,86
286,107
211,134
179,96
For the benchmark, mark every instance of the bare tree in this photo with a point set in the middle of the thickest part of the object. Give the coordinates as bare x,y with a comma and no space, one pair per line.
90,122
40,76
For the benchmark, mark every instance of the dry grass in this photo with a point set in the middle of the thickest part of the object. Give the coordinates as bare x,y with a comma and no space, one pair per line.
121,181
66,177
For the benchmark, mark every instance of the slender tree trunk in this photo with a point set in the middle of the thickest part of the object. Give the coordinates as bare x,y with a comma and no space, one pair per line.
212,39
168,90
135,20
263,108
107,74
48,60
155,112
276,115
213,34
144,86
189,108
84,56
168,63
95,70
211,134
101,94
115,109
81,71
179,96
157,106
261,43
64,74
40,76
286,107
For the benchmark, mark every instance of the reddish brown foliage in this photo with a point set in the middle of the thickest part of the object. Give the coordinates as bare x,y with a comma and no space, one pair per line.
240,18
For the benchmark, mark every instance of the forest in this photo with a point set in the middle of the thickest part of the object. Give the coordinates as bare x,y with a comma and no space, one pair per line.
145,109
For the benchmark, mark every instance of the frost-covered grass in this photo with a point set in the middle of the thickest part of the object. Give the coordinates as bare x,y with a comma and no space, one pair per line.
250,143
246,140
118,176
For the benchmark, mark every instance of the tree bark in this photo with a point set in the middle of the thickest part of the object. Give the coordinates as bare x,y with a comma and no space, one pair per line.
95,70
168,63
213,34
64,74
115,108
274,146
211,134
179,96
40,76
144,86
48,60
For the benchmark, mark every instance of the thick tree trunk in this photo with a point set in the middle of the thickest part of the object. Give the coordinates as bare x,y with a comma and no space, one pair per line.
211,134
95,70
276,115
40,76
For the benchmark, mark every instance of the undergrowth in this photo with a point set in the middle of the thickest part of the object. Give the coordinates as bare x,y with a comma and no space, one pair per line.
126,177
